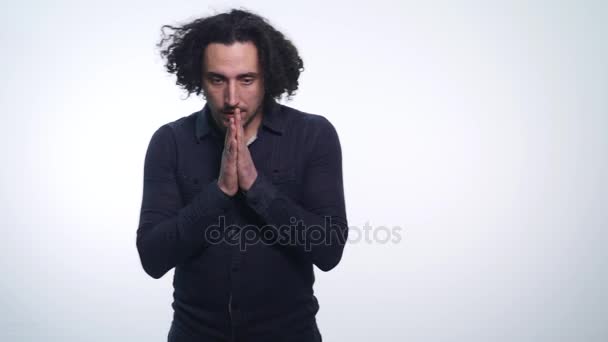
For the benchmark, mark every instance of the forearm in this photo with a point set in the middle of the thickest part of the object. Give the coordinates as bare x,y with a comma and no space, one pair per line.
320,233
165,237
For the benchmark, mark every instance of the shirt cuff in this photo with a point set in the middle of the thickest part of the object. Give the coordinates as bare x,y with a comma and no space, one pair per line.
211,201
216,195
260,195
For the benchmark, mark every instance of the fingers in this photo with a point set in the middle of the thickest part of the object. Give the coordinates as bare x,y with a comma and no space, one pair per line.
227,137
233,138
230,135
240,131
232,151
228,177
239,134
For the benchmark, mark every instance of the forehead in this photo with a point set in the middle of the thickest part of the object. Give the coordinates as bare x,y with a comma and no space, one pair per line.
231,59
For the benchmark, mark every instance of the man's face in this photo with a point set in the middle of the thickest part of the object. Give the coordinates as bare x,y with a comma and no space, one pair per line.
232,78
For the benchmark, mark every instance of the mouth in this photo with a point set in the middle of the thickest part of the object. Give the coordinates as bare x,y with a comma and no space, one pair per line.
228,115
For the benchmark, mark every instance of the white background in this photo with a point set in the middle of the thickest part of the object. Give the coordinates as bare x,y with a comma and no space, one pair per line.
479,128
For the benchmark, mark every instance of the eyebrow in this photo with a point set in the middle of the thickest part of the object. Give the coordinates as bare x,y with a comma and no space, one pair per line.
240,76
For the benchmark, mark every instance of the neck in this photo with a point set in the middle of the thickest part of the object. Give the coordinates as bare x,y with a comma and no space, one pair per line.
252,126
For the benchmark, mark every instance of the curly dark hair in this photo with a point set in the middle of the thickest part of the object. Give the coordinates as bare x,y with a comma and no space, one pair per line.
184,47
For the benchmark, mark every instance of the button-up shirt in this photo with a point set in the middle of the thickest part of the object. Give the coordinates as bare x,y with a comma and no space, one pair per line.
244,263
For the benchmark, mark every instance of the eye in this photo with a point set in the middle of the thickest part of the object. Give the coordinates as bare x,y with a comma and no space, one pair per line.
216,80
248,80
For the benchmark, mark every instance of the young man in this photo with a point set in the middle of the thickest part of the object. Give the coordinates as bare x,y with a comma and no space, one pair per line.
245,195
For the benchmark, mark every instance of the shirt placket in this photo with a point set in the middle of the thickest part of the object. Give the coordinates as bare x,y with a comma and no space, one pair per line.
235,300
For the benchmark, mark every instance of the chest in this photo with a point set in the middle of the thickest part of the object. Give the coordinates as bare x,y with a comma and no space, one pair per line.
277,158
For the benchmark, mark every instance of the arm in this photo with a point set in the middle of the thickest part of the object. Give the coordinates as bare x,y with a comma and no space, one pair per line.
323,200
168,232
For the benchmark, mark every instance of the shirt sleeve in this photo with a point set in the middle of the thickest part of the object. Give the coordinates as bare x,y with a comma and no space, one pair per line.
320,218
169,232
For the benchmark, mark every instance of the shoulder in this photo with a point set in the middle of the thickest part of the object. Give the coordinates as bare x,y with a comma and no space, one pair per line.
170,132
312,124
315,134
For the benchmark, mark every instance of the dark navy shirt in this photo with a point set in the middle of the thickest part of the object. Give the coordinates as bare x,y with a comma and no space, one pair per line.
243,264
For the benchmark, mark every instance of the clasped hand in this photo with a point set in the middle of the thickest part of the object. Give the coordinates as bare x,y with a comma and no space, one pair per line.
237,169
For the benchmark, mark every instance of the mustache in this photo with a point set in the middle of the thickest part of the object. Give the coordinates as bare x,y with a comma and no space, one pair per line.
230,110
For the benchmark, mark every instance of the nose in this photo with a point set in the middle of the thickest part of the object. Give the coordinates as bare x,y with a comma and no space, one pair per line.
231,98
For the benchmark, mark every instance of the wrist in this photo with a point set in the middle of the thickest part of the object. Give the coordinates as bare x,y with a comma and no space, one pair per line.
247,185
224,190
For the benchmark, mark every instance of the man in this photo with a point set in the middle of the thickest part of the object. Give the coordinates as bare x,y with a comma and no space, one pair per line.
243,197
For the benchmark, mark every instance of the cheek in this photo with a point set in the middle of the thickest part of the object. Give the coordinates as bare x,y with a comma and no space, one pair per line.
213,92
253,95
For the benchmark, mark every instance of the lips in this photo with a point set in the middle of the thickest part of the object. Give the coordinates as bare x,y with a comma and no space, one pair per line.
229,115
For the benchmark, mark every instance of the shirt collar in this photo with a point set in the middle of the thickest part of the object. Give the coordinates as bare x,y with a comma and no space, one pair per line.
272,119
